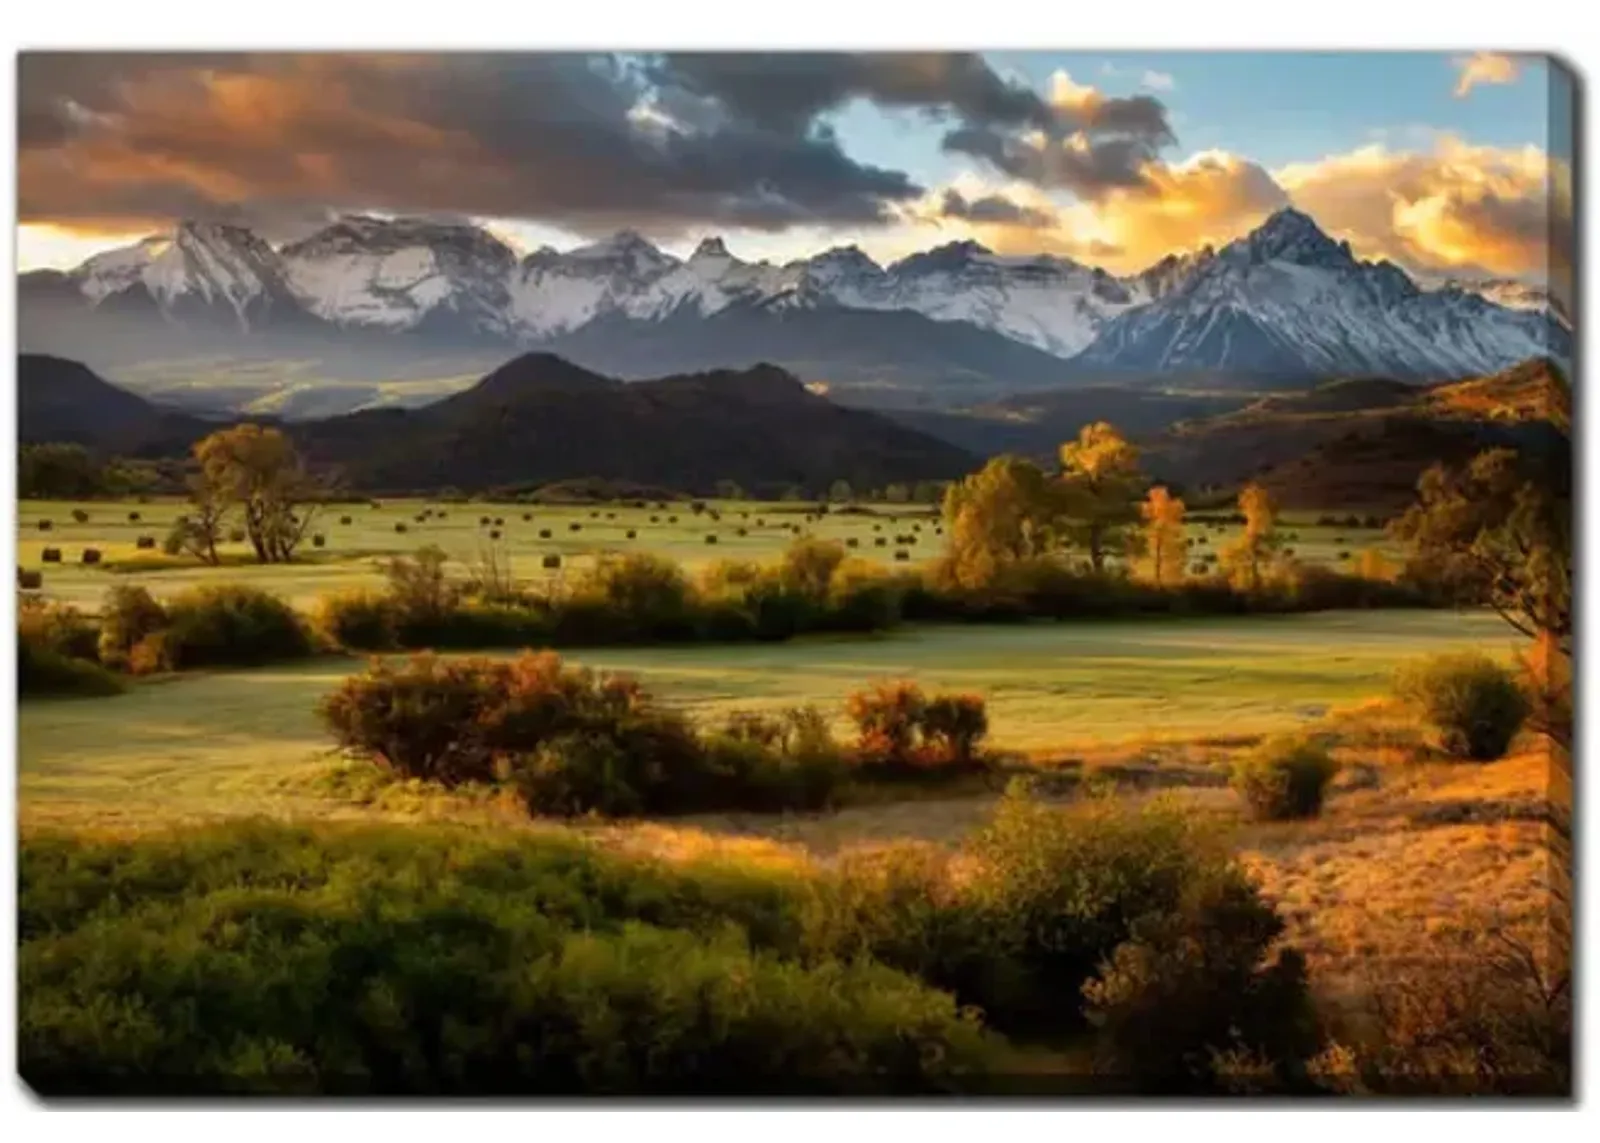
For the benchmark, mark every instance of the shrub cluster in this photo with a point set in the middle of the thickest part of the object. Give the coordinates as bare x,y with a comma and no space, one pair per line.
208,626
56,653
571,741
902,729
1476,705
377,959
1284,778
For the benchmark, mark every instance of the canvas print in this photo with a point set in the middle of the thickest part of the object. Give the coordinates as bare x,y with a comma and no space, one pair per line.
777,574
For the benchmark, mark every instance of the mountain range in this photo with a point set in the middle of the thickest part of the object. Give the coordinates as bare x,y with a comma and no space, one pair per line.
372,311
535,420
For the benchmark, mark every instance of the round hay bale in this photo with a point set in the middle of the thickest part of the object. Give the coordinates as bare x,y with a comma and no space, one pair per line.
29,580
655,519
133,517
79,516
145,543
552,561
91,555
318,540
672,519
345,520
852,542
880,542
45,525
574,527
743,531
400,526
494,533
527,515
632,535
711,538
483,521
499,521
902,555
51,555
544,533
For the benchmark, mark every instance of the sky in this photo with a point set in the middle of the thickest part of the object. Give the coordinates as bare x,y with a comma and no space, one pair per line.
1450,164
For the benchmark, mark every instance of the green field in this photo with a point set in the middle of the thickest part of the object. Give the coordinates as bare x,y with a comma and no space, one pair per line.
354,552
233,742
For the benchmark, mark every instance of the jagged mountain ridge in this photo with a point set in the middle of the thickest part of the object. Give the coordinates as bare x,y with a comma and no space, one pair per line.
1286,302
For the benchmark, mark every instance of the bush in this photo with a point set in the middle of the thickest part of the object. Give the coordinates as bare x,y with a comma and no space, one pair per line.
58,628
954,725
358,620
43,671
642,595
888,717
1474,703
127,616
232,625
568,740
406,960
1284,778
420,590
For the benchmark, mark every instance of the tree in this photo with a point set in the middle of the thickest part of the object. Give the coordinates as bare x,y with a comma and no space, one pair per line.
999,514
1163,536
1099,485
258,470
729,490
928,492
840,492
1247,557
897,494
199,531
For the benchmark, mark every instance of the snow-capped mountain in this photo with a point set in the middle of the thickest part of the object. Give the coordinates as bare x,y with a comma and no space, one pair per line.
1507,292
402,274
1288,301
201,269
1285,303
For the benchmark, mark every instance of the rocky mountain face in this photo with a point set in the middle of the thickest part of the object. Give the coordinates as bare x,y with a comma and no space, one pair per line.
1285,304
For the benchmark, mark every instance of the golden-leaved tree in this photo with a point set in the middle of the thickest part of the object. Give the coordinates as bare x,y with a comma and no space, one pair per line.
256,469
1099,489
999,514
1250,557
1163,536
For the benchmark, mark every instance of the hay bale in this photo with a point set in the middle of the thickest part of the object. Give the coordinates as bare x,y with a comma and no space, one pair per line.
318,540
133,517
655,519
45,525
494,533
902,555
145,543
499,521
345,520
400,526
527,515
711,537
743,531
483,521
574,527
237,535
672,519
544,533
51,555
632,535
552,561
852,542
29,580
91,556
880,542
79,516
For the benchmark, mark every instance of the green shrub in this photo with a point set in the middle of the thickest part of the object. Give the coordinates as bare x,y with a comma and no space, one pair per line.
420,589
358,620
954,725
1284,778
43,670
383,960
1474,703
644,595
232,625
59,628
127,615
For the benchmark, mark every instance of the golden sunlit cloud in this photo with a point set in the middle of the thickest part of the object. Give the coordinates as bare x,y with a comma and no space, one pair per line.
1484,67
1456,207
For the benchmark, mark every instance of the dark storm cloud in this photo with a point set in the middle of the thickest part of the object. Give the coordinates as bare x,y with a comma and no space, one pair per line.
786,91
106,139
991,209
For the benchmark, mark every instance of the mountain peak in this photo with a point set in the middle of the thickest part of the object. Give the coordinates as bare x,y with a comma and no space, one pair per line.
711,248
1289,235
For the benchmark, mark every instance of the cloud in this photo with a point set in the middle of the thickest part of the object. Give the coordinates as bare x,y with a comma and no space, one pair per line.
113,141
992,209
1094,144
1454,207
1484,67
1157,81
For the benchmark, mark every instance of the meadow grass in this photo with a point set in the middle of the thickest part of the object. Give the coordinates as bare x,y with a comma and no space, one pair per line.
220,743
354,552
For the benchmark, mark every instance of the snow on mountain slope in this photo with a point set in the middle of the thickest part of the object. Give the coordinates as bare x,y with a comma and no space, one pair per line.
208,266
399,273
1287,299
